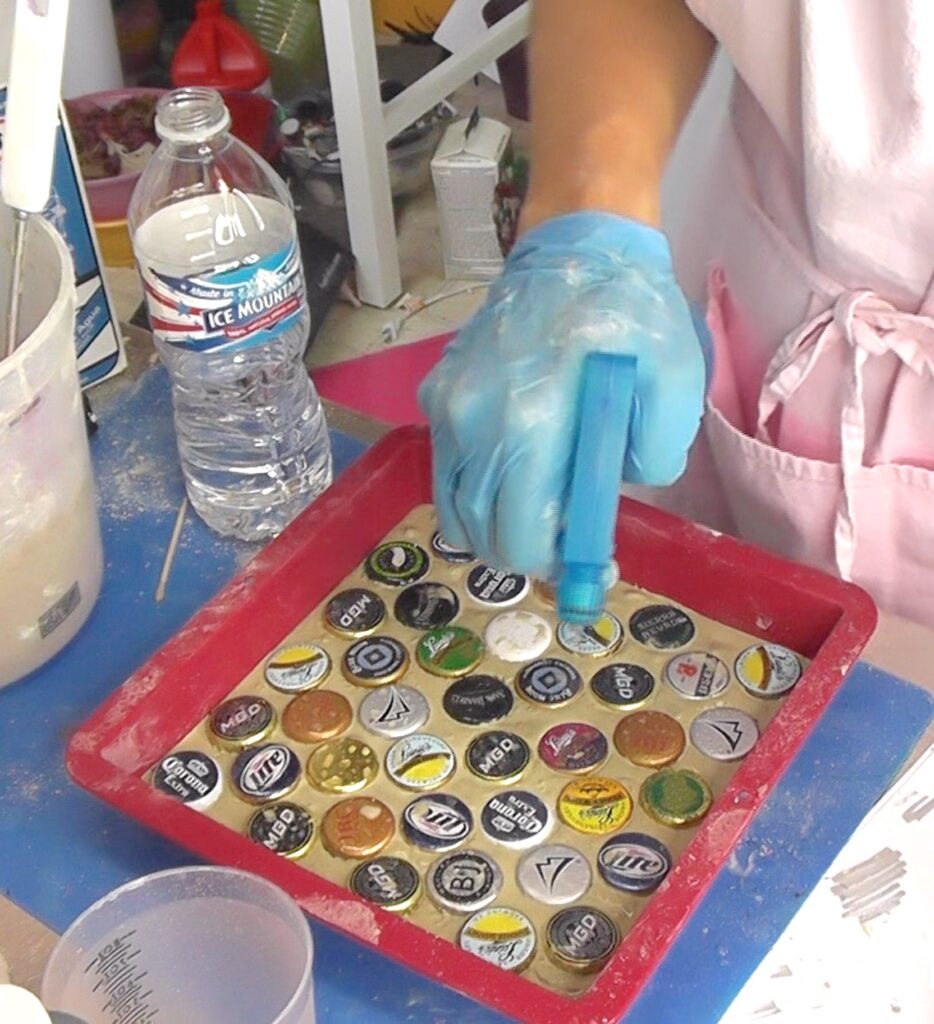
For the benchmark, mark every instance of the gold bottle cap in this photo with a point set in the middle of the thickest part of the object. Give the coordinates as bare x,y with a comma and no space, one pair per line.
357,828
545,592
675,797
594,805
342,765
375,661
316,716
241,722
650,739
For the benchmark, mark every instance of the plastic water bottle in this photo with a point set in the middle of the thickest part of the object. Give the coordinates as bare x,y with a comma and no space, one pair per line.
215,243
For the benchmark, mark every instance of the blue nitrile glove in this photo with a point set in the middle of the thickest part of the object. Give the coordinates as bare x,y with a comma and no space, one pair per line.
502,401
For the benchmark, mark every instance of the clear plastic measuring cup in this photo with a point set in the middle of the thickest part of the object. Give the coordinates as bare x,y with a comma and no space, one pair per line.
198,945
51,559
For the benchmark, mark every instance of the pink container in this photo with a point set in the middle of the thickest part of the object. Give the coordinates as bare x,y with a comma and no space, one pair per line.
110,197
253,120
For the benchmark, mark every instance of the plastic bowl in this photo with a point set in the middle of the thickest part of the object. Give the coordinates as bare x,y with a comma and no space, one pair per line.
110,197
253,120
409,169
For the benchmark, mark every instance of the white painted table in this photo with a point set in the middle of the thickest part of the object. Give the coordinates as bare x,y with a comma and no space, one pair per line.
365,124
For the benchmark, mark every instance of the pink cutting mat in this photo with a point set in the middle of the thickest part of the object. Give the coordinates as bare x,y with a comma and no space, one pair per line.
383,385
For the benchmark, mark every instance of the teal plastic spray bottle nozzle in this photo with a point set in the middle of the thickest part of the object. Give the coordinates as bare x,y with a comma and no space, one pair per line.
590,524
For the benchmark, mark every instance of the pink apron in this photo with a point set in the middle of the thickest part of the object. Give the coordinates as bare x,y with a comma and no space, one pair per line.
818,442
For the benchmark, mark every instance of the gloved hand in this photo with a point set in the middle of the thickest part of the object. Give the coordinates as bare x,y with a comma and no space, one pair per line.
503,400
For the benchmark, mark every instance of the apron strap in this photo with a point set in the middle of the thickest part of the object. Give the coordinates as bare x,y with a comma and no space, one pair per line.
869,326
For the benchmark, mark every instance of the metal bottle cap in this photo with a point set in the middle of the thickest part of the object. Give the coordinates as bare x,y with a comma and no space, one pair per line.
594,641
623,685
420,761
343,765
354,613
437,822
633,862
767,670
650,739
190,776
554,874
450,651
357,828
500,935
662,626
581,938
316,716
478,700
516,818
550,681
545,592
498,756
595,805
388,882
495,588
464,881
394,711
241,722
455,556
426,606
375,661
697,675
397,563
675,797
297,668
517,636
283,828
573,747
266,773
725,734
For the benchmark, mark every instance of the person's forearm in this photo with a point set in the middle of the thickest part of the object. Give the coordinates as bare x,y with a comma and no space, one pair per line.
612,82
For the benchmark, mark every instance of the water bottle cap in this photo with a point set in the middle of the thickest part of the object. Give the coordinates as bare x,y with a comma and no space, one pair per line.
191,115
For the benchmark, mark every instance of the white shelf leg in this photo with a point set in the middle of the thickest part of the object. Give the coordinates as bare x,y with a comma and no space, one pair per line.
358,113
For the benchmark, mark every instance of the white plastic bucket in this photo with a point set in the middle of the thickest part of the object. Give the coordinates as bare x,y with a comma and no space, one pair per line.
51,559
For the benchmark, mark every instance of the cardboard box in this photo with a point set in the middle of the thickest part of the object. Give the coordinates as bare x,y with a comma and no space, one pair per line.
466,169
98,337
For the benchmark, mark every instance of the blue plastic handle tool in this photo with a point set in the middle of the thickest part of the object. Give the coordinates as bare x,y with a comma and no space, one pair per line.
590,524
